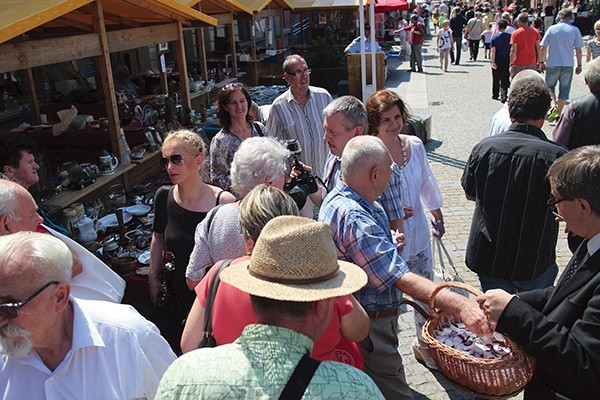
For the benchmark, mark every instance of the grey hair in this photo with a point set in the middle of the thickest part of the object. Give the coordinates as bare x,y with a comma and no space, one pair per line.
43,254
257,160
291,59
8,199
352,109
360,154
591,73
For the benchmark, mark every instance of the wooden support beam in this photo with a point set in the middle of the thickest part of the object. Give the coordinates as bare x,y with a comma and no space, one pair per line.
128,39
34,105
184,83
106,78
232,49
253,38
122,20
36,53
74,23
201,49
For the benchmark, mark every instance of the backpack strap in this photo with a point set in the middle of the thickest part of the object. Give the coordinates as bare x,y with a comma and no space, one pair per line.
298,382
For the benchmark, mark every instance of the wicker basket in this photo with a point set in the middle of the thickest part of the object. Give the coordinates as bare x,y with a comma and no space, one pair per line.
493,379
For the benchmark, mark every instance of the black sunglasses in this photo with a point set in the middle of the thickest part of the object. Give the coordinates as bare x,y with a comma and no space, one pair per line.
553,201
11,310
175,159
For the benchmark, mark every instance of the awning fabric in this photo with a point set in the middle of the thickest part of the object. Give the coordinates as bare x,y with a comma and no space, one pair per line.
390,5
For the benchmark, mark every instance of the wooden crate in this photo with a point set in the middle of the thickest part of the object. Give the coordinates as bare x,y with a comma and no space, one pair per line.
354,73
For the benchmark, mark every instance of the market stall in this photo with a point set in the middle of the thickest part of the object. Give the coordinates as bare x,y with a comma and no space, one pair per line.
51,32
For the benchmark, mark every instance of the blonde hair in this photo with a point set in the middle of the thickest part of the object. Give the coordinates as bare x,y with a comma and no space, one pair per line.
262,204
596,24
191,140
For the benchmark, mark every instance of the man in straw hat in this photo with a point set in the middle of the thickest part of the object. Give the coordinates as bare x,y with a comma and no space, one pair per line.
293,277
361,232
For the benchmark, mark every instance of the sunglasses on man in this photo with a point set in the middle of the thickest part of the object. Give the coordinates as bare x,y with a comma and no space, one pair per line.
11,310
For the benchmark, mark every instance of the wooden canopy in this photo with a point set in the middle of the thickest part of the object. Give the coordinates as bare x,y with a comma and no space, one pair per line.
214,7
258,5
50,18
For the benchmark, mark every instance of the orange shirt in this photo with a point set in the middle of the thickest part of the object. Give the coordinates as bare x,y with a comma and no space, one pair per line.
525,38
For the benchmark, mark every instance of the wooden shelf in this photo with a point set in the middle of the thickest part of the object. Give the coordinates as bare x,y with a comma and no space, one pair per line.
129,176
70,196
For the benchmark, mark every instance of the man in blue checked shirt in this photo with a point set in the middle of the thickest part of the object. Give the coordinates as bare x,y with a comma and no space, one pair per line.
362,235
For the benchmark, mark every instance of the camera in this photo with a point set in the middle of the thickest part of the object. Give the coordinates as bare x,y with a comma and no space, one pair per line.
300,187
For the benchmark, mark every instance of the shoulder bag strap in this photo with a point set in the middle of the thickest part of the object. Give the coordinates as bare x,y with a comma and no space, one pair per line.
298,382
219,198
210,298
210,218
258,129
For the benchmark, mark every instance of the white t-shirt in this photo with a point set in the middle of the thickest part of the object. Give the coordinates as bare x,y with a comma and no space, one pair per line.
115,354
444,37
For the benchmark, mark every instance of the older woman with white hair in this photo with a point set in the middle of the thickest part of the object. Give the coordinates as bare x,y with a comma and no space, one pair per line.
258,160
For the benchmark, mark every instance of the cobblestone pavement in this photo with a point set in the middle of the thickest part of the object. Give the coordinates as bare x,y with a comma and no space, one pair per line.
461,107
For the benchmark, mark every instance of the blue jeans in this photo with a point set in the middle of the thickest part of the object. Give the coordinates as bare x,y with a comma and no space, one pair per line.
562,75
543,281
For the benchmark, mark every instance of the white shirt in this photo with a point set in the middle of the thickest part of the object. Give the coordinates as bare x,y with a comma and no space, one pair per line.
115,354
500,121
420,190
593,244
96,280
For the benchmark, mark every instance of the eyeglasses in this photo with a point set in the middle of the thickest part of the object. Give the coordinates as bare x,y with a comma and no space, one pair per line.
175,159
234,85
298,73
553,201
11,310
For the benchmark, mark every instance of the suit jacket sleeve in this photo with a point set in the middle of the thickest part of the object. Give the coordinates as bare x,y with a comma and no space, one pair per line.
568,360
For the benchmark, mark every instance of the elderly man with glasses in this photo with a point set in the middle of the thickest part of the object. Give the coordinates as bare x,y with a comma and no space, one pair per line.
53,345
513,233
297,114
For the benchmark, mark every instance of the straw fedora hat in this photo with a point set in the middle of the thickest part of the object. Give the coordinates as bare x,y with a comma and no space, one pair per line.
295,259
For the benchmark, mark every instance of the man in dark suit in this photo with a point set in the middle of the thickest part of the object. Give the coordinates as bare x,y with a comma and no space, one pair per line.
560,326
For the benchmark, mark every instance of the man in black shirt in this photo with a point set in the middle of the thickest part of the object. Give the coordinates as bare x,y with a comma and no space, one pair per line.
513,233
457,24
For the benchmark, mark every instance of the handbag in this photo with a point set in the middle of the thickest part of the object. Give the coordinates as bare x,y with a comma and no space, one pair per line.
208,340
439,269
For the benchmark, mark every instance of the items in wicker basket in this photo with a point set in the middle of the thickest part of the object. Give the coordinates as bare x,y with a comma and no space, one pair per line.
488,378
459,337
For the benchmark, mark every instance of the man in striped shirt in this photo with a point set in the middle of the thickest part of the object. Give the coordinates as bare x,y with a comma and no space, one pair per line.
298,114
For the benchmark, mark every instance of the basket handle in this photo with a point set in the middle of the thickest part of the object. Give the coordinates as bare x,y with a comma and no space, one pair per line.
450,284
416,306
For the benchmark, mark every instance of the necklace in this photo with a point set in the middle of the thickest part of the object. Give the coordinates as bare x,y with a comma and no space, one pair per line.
403,147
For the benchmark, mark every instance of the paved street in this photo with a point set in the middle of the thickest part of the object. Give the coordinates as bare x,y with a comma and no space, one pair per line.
461,107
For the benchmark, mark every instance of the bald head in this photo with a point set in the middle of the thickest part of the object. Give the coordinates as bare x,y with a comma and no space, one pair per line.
360,154
18,211
366,166
527,75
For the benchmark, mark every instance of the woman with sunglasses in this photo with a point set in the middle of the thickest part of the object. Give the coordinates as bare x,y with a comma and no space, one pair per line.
178,209
233,111
414,183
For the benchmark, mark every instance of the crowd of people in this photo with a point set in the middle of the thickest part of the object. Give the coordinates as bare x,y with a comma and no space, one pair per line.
309,291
